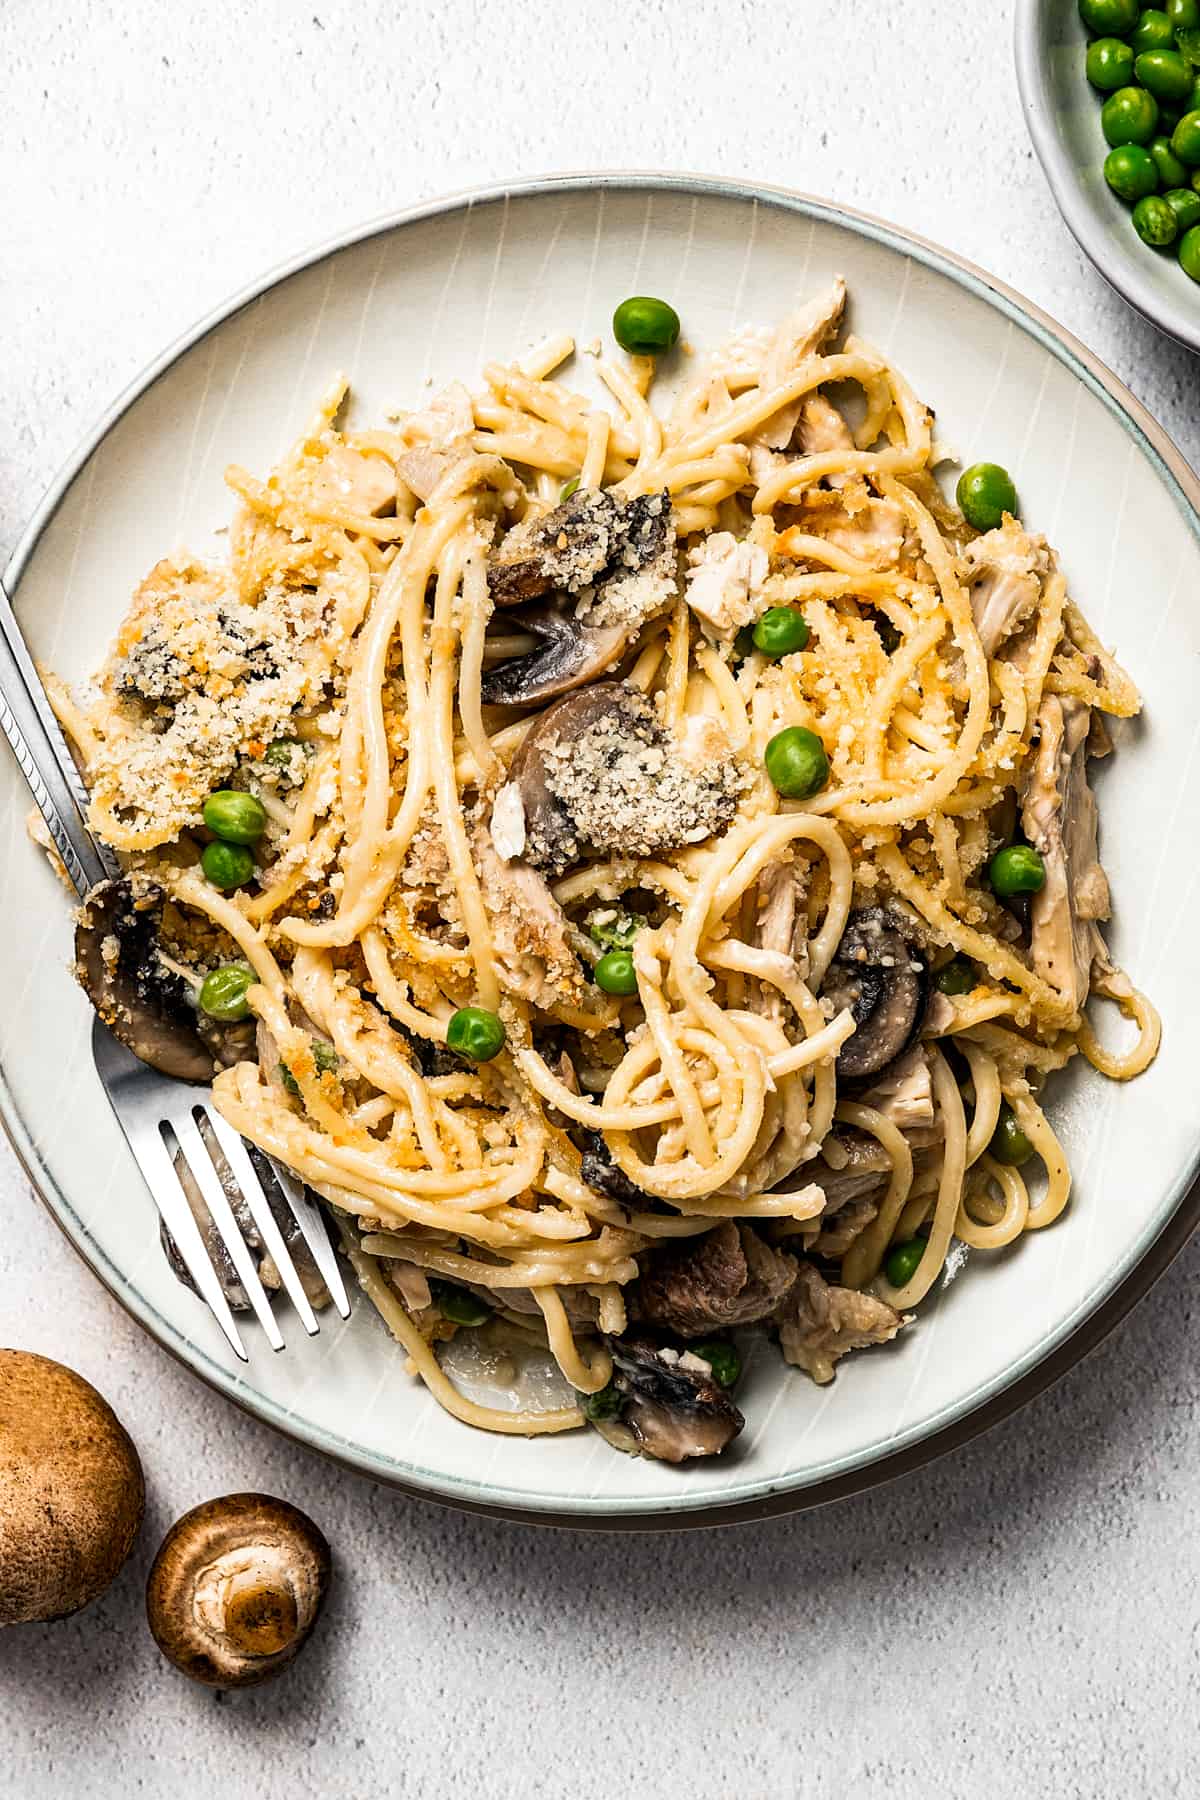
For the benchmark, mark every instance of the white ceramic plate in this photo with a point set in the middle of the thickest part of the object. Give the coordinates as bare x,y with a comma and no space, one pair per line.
1062,111
430,296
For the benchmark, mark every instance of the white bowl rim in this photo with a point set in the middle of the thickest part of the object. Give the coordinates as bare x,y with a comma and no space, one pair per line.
1120,266
1179,1212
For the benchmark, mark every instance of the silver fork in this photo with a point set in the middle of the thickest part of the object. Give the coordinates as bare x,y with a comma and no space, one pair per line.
164,1121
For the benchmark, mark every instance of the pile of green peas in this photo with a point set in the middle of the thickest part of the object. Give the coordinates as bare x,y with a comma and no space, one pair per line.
1146,61
237,820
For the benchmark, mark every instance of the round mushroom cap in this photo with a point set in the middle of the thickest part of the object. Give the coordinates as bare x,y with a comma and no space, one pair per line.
236,1587
71,1490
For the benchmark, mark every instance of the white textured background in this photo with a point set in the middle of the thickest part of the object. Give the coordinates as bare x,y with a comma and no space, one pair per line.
1024,1617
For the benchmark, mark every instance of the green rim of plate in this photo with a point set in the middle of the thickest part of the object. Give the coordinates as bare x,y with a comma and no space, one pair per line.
1178,1212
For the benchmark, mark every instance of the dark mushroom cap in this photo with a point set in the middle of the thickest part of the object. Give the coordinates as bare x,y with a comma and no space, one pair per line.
673,1410
236,1588
142,1002
71,1490
884,980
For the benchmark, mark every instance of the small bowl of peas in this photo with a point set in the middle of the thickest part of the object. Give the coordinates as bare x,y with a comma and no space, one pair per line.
1111,92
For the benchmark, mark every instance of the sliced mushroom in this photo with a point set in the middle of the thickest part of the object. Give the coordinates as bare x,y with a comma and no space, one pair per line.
551,838
598,772
144,1003
598,1169
568,654
884,981
236,1588
596,569
672,1406
214,1244
592,534
71,1490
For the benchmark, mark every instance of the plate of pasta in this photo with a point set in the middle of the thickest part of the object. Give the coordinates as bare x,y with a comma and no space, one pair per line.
626,732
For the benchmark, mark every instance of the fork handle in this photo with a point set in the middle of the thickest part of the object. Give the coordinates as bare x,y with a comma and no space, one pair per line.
28,722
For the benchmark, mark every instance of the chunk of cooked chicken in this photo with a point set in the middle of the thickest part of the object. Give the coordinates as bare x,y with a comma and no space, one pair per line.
801,334
821,427
728,1277
440,436
904,1092
360,481
529,930
1058,813
819,1323
1003,572
725,581
871,529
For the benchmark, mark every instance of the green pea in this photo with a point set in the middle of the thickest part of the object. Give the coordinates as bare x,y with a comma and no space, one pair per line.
1130,172
616,933
615,973
1154,31
743,643
722,1358
1017,869
1189,253
1117,17
281,754
985,493
781,630
227,866
1130,116
223,993
609,1403
901,1262
1109,64
1185,204
475,1033
1171,172
1183,15
326,1059
644,326
457,1305
1155,222
238,818
796,763
1185,139
955,977
568,488
1165,74
1009,1143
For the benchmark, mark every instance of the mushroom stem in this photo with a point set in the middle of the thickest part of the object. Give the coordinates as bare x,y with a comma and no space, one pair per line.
236,1588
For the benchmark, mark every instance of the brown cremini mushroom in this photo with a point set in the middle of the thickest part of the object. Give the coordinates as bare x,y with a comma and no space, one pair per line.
236,1587
71,1490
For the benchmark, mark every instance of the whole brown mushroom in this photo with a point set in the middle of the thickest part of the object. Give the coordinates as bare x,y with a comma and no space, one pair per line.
71,1490
236,1587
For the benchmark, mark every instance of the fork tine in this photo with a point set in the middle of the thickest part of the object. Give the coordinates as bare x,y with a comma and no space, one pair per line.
159,1172
187,1133
316,1235
264,1218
